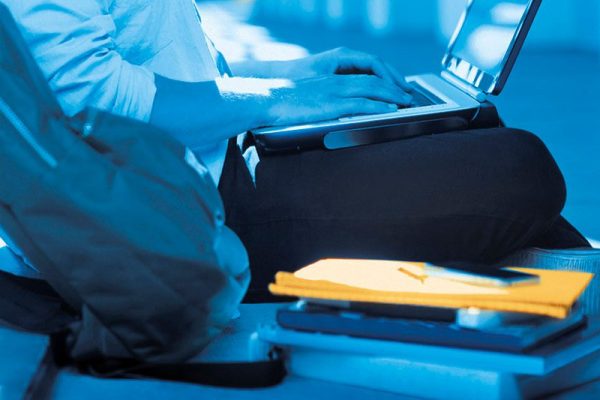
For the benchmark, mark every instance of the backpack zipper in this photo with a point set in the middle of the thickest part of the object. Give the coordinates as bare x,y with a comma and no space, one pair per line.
26,134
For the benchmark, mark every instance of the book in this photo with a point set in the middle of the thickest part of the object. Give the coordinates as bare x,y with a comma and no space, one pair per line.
518,337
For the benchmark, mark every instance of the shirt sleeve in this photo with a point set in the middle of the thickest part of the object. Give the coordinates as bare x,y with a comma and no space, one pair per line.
73,41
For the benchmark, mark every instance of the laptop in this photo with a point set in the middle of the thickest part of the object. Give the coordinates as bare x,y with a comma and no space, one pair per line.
477,64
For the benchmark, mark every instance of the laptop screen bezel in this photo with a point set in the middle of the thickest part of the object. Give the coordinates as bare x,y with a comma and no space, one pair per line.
471,74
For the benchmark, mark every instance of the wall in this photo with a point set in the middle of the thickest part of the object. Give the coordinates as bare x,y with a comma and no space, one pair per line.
374,16
573,24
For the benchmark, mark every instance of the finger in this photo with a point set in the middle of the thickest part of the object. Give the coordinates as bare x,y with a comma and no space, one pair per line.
373,88
369,64
364,106
400,79
365,63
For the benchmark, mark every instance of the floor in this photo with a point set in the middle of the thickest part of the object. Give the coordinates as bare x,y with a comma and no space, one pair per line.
235,345
550,92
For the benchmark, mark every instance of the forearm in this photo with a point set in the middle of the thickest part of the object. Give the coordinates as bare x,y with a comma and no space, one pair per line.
203,113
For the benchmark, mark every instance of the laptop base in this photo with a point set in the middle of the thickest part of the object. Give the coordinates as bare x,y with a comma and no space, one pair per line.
486,116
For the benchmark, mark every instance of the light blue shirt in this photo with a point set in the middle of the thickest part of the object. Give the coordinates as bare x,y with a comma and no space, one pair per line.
104,53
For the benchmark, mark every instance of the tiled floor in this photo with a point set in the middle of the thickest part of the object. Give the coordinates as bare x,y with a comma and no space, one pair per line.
552,93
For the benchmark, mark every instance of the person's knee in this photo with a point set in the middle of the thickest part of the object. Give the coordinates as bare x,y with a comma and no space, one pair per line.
535,177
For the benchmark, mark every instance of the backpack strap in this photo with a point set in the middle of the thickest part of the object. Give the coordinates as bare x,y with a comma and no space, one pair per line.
227,374
247,374
40,386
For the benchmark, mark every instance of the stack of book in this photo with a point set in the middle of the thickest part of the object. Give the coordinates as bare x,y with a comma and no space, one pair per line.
388,326
391,300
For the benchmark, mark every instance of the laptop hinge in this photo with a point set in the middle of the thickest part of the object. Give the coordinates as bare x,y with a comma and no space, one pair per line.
465,87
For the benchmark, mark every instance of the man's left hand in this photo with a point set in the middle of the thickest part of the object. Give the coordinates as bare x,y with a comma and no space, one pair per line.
341,61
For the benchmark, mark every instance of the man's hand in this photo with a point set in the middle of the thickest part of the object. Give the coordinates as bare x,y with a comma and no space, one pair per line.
324,86
340,61
332,96
324,97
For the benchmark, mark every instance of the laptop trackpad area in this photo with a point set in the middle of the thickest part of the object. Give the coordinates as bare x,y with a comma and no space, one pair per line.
423,97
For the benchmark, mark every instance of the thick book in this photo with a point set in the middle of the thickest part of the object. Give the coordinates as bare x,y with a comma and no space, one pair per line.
418,370
516,338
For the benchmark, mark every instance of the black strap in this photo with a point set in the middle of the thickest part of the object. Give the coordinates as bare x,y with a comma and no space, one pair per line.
40,386
246,375
227,374
231,374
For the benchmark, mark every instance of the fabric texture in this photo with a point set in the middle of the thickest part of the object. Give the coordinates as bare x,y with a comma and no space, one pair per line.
471,195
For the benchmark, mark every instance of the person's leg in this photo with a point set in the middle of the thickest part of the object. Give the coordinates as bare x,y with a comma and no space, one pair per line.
475,195
562,235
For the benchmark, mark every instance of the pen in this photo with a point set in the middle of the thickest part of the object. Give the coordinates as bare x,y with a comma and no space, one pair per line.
420,278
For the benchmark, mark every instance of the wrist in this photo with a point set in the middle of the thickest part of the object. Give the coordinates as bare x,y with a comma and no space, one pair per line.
251,99
254,69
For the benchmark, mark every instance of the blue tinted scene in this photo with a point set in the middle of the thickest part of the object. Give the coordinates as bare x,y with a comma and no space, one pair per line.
299,199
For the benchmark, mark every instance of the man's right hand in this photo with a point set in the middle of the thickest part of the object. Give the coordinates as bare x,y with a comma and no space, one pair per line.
332,96
285,102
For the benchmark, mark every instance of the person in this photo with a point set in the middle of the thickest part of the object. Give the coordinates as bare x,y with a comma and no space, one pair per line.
474,195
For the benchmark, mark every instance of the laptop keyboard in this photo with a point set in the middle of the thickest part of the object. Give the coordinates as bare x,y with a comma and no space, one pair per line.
421,98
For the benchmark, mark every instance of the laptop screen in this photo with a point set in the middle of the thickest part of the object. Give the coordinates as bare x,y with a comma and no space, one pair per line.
490,34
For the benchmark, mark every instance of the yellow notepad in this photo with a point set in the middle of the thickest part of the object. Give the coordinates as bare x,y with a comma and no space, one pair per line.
397,282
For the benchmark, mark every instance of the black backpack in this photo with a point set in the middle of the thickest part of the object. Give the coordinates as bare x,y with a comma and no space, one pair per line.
125,226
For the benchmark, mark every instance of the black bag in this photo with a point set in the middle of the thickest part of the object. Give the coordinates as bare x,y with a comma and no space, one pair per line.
122,222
